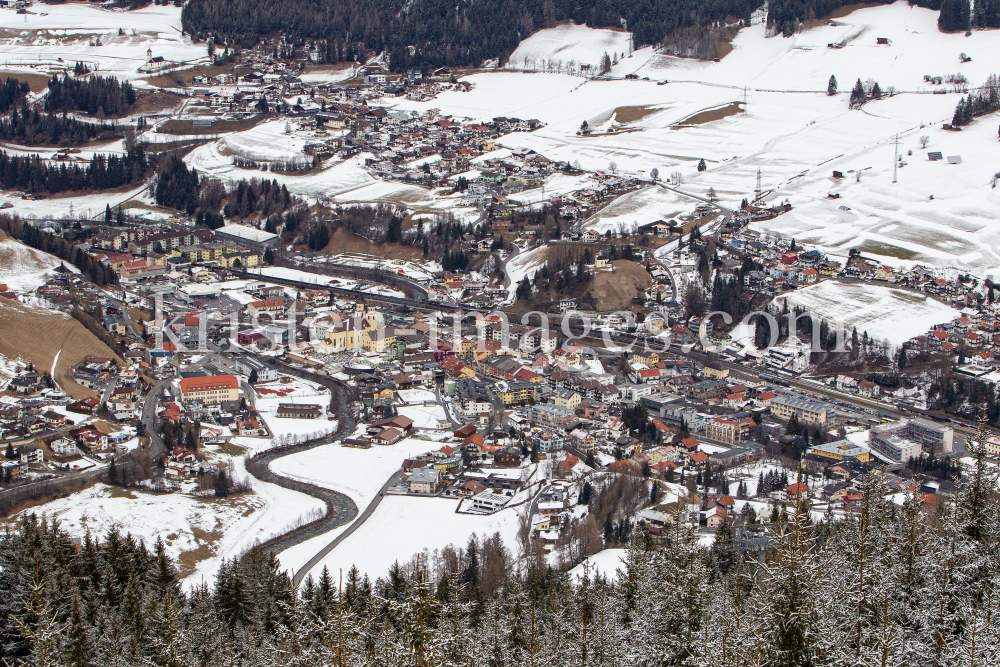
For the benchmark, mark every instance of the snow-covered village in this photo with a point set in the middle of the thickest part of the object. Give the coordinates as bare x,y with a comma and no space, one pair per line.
509,333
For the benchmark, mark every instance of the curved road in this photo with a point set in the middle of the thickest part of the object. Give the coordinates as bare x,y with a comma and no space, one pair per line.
312,562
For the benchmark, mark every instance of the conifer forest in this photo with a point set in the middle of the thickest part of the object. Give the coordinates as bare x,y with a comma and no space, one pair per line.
900,582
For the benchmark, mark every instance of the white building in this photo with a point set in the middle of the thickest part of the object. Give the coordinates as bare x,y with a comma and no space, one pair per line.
489,502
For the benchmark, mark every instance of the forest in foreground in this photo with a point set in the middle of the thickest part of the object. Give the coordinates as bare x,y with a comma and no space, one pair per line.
911,584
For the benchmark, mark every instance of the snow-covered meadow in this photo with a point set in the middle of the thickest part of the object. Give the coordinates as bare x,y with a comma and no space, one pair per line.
893,315
52,37
402,526
199,532
23,268
791,130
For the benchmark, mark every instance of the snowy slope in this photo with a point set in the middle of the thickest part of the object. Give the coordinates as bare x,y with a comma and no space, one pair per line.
565,44
211,528
23,268
403,526
792,131
888,314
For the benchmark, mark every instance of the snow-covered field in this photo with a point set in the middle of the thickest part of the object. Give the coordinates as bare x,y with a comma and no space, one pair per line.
70,32
402,526
68,207
200,532
792,131
357,473
321,280
605,563
885,313
23,268
424,416
300,392
273,140
639,208
569,46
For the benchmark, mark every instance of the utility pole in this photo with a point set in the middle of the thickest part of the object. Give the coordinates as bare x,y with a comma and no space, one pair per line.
895,160
744,99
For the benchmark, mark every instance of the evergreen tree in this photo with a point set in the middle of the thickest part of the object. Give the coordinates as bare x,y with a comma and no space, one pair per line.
858,95
831,86
792,427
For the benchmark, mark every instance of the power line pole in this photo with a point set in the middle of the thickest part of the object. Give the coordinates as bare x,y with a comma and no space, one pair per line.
895,160
757,193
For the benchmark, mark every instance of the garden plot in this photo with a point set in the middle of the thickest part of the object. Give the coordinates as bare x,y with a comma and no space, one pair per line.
887,314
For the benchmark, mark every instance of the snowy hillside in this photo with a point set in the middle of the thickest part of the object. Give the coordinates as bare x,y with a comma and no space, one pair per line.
23,268
569,46
886,314
792,131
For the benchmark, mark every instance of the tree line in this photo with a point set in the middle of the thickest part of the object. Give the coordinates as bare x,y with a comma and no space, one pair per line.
180,187
29,127
984,100
785,15
46,241
104,171
909,583
433,33
12,91
95,95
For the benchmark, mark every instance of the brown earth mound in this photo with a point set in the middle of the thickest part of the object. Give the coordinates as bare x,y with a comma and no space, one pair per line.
39,335
615,290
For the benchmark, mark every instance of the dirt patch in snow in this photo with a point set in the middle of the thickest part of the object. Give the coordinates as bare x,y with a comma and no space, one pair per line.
614,290
344,241
709,115
206,539
36,82
155,101
632,114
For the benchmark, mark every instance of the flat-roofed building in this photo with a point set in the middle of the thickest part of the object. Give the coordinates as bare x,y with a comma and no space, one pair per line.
296,411
927,435
809,412
248,236
839,450
487,501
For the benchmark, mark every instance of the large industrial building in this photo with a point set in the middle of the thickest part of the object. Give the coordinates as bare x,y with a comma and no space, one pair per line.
247,236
